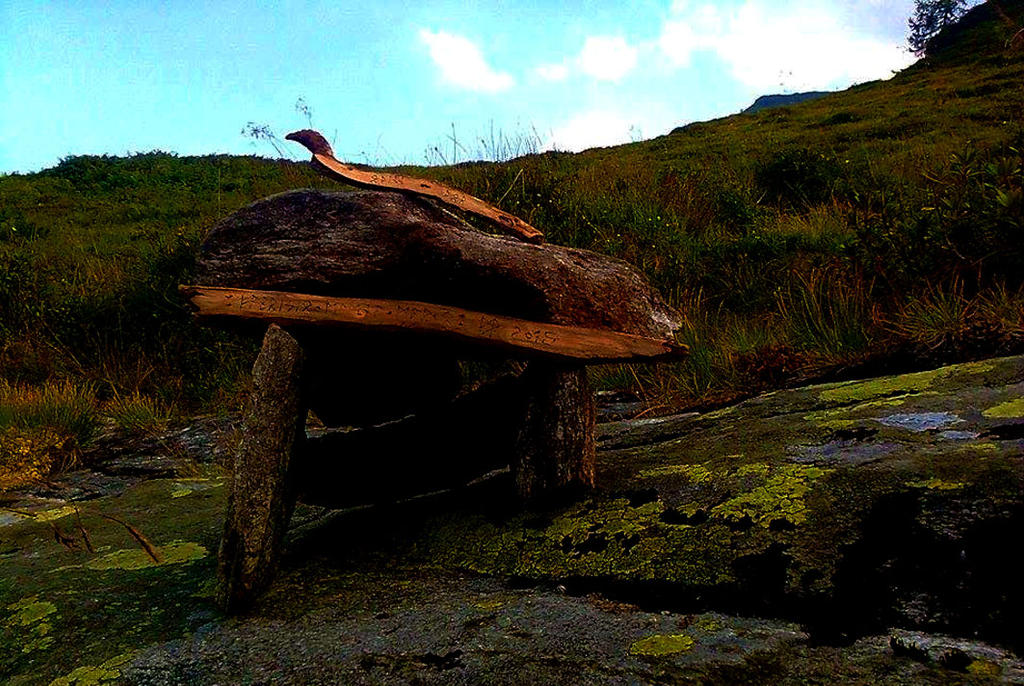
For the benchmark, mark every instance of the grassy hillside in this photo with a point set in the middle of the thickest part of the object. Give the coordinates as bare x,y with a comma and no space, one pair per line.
879,226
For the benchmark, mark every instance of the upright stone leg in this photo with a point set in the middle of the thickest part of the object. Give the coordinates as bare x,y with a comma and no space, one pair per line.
555,445
262,496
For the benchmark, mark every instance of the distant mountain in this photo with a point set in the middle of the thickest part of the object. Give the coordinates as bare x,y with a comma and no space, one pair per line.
766,101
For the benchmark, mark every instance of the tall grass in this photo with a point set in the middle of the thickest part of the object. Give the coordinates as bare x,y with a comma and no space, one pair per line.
138,413
488,146
828,311
947,322
66,407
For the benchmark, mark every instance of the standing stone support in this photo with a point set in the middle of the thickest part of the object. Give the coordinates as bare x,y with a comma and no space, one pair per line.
262,496
555,446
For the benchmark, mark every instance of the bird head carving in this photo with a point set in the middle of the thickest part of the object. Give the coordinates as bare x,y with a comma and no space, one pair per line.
312,140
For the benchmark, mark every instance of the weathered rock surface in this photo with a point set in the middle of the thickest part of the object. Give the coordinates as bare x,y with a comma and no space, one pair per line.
875,521
852,506
387,245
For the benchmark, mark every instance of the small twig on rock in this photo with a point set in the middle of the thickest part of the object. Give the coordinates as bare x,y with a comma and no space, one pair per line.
23,513
137,535
84,532
69,542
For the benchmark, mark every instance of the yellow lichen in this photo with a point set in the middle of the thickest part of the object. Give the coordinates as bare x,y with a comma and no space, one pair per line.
176,552
985,669
29,621
29,610
716,414
488,604
54,514
708,624
782,496
834,415
1013,409
185,487
696,473
908,384
936,484
88,675
848,392
28,455
662,644
975,448
838,424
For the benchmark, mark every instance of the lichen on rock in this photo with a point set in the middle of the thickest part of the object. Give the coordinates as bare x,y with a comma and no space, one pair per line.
662,644
87,675
30,623
175,552
1011,409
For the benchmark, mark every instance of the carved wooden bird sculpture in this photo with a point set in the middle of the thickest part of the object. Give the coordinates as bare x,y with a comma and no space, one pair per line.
324,160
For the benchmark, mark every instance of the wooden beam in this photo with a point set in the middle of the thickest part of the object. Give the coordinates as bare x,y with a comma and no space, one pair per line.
507,333
323,158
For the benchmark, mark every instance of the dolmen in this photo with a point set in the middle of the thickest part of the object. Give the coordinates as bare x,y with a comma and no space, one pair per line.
373,305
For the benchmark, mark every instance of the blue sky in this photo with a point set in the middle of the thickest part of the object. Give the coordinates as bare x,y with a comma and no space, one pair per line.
386,79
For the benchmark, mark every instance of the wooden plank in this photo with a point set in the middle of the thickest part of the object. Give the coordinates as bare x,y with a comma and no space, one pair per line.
516,335
324,158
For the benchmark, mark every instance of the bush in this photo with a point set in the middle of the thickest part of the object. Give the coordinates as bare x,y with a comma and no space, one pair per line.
734,209
798,178
967,224
15,291
14,226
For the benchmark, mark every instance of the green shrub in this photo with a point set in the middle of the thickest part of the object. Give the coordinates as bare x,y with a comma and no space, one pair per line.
734,209
838,118
798,177
967,223
14,226
16,291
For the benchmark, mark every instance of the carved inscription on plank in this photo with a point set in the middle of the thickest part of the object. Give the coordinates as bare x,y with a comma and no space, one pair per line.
506,332
482,325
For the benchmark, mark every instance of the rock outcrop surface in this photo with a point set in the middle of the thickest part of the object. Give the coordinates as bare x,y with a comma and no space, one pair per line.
854,506
869,525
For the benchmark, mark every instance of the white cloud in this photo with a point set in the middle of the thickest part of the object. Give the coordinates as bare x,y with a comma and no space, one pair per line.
553,72
597,128
607,58
462,63
678,42
768,46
